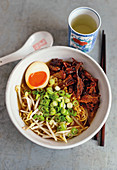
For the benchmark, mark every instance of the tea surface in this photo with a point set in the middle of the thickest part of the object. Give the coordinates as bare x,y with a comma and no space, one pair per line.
84,24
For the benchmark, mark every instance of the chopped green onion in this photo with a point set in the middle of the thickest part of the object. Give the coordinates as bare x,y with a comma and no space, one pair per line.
69,119
37,96
62,126
68,95
57,88
46,96
51,105
62,118
41,118
59,99
64,111
53,96
70,135
55,103
61,92
57,109
40,107
69,105
38,117
35,116
29,91
49,90
57,118
52,82
35,92
58,114
43,108
67,100
41,91
62,103
74,131
46,109
75,103
52,111
71,112
46,114
45,102
75,113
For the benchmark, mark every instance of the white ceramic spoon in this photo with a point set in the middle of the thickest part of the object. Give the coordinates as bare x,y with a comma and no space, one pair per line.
35,42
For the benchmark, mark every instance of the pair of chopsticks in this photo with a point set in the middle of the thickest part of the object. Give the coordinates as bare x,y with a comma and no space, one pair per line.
100,136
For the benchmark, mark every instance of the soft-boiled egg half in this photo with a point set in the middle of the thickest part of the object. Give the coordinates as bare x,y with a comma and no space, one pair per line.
37,75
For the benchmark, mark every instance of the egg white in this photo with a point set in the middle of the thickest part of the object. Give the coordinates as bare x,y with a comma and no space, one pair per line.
35,67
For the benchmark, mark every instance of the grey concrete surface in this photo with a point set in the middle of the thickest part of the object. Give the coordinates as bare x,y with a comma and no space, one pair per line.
18,20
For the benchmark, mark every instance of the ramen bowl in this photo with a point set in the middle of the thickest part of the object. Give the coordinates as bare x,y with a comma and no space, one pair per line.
65,53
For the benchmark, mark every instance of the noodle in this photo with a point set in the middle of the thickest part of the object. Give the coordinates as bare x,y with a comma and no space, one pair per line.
41,129
49,125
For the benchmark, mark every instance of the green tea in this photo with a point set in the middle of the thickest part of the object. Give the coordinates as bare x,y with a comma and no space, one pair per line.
84,24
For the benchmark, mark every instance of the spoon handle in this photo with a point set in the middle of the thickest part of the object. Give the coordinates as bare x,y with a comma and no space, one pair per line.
19,54
14,56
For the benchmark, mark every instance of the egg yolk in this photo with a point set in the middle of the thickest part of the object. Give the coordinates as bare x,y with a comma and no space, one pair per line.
37,79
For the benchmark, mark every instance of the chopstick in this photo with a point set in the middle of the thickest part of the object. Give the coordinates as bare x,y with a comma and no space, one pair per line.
103,52
103,65
101,133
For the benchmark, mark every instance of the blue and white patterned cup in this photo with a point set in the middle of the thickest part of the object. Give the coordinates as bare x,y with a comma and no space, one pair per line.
83,42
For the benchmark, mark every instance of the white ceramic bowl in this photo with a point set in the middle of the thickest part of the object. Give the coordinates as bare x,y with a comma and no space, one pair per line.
65,53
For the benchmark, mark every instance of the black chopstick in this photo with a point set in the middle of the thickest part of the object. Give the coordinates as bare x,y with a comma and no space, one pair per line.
103,52
100,136
103,65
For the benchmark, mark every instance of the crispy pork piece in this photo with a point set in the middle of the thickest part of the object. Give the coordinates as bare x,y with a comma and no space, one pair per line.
89,98
92,109
61,74
54,68
70,70
67,64
92,88
74,63
68,81
80,84
56,62
70,89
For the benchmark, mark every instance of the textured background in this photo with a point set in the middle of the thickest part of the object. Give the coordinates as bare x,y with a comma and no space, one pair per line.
18,20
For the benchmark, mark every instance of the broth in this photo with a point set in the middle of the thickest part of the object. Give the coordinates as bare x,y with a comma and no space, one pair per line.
76,118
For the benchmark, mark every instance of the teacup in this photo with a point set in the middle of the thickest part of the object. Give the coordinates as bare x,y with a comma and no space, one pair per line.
80,40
